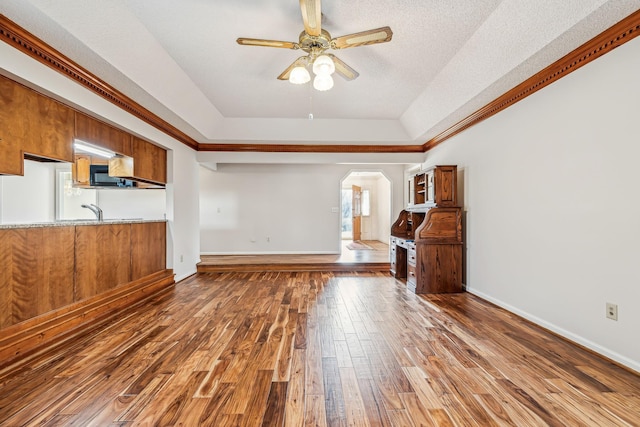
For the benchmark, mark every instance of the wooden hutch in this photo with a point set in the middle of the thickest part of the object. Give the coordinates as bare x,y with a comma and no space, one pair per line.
426,239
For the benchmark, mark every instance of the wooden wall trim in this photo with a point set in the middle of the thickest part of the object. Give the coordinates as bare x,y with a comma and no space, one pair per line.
24,339
605,42
311,148
19,38
617,35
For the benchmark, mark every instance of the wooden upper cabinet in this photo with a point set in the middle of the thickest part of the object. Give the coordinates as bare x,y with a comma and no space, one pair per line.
149,161
445,182
50,132
12,127
435,187
101,134
34,125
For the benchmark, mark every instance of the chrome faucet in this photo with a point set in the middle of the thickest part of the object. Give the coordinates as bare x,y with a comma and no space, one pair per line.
95,209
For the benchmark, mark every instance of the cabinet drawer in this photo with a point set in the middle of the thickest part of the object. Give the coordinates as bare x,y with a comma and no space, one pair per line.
411,274
411,256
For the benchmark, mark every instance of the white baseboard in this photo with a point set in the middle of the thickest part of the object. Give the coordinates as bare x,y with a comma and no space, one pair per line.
629,363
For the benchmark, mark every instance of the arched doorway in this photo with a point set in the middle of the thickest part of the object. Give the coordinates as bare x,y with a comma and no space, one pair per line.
373,203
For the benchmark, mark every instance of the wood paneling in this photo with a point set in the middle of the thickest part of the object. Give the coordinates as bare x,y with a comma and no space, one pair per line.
103,258
148,248
365,352
36,277
149,161
96,132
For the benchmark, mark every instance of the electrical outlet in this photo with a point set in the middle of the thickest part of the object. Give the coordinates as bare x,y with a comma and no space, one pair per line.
268,239
612,311
181,258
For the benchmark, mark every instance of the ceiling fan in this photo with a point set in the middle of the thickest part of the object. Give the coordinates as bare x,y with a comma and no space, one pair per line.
315,41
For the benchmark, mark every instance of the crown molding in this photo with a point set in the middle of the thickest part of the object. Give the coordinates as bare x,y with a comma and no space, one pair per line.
617,35
605,42
311,148
21,39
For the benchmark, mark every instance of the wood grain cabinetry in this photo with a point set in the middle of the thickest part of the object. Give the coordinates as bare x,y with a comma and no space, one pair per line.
37,272
46,268
38,127
149,161
435,187
439,252
103,258
57,280
32,125
148,248
101,134
431,233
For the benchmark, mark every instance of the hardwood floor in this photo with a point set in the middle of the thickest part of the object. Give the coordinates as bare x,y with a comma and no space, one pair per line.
376,259
316,349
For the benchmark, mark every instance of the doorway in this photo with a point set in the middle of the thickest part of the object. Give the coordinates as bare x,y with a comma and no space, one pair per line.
366,210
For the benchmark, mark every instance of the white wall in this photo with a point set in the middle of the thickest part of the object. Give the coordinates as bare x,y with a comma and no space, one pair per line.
382,206
182,189
291,205
29,198
552,206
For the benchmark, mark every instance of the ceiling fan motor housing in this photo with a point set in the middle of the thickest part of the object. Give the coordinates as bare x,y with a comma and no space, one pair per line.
310,43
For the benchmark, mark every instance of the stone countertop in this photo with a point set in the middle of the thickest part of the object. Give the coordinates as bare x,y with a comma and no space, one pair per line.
74,222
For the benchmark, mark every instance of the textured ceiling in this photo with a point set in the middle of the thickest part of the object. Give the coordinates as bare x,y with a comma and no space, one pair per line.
447,58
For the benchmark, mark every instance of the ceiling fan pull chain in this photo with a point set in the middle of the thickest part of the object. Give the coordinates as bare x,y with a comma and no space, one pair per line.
310,103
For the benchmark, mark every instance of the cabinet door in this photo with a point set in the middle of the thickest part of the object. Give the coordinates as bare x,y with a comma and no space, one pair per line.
50,132
148,249
446,181
80,170
149,161
101,134
12,127
32,124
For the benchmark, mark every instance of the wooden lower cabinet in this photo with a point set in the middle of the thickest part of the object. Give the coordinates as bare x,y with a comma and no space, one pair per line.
36,274
55,279
148,249
429,258
103,258
439,269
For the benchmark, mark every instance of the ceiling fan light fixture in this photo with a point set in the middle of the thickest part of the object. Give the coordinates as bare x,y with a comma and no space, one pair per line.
299,75
323,82
323,66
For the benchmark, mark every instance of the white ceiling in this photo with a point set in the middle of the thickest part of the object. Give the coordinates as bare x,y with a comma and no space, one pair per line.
447,58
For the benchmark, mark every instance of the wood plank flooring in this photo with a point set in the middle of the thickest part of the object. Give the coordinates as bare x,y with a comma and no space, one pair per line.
317,349
376,259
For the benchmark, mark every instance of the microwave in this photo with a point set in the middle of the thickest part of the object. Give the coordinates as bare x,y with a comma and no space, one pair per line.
99,177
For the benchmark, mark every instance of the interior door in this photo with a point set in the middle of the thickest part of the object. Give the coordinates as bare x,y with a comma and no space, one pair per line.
356,212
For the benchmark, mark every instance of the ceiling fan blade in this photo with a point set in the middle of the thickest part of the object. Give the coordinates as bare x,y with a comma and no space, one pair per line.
267,43
379,35
311,16
302,61
343,69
